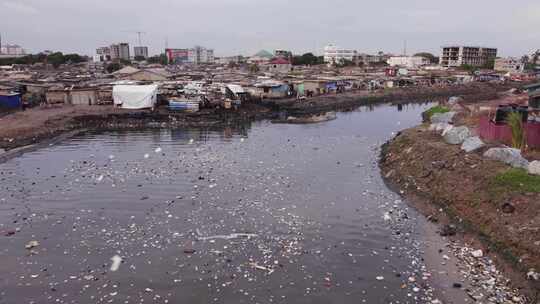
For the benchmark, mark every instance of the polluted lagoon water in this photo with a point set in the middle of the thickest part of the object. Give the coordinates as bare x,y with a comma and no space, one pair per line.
259,213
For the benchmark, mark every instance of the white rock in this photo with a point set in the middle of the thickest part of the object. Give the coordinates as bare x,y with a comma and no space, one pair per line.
439,127
457,135
477,253
508,156
472,143
534,167
447,129
443,117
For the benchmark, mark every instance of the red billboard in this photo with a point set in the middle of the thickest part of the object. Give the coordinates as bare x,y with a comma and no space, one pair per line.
177,55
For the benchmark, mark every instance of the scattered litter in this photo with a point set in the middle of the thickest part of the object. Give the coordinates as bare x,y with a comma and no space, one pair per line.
31,244
116,261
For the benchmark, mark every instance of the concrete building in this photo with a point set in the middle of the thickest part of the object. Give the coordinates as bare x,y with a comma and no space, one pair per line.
367,59
12,49
279,65
335,54
140,51
196,55
229,60
283,54
509,64
120,51
112,52
199,55
457,55
408,61
102,54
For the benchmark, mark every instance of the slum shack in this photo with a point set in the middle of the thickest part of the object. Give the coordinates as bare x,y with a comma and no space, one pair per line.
84,96
315,87
270,90
10,101
57,97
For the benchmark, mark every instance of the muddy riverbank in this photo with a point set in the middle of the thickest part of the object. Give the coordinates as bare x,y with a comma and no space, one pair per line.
450,186
40,124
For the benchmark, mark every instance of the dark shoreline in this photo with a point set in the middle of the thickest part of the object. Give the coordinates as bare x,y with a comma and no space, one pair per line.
249,112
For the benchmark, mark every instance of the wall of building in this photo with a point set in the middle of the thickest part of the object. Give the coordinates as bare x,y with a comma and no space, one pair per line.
335,54
455,56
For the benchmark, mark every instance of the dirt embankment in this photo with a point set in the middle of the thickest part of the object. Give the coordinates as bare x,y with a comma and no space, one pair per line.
435,176
38,124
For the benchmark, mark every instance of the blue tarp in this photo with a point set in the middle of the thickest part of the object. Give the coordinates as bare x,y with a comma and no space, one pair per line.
11,101
331,85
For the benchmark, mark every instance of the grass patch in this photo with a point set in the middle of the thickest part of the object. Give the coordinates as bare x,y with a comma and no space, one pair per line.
518,180
435,110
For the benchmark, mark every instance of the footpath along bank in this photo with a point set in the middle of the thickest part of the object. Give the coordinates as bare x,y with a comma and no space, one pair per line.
485,196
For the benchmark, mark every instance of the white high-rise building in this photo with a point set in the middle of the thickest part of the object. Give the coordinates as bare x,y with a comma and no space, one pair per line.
140,51
199,54
335,54
12,49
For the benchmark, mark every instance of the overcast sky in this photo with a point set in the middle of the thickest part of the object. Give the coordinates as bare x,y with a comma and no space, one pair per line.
246,26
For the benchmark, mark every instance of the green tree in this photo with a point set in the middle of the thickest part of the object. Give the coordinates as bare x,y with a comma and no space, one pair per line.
113,67
490,64
56,59
469,68
160,59
74,58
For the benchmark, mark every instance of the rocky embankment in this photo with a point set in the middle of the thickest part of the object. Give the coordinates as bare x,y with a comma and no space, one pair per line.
481,203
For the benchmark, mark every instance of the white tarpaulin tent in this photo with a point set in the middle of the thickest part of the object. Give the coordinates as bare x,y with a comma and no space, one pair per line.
135,96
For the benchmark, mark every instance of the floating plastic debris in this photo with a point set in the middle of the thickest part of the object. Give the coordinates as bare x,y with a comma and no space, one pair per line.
116,261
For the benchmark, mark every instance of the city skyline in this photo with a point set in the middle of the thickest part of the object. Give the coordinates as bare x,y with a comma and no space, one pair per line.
233,27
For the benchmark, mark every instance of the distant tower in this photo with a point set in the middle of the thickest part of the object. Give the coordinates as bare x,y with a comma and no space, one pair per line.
404,47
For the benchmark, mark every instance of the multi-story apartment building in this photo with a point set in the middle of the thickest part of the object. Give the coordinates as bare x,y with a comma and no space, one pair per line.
12,49
113,52
456,55
335,54
199,54
140,51
103,54
120,51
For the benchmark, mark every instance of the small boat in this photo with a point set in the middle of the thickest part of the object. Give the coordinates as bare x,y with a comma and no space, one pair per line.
183,104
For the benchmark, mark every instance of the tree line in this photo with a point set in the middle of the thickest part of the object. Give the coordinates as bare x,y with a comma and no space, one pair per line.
55,59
